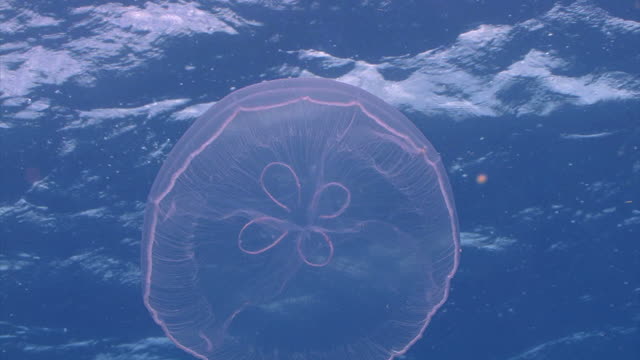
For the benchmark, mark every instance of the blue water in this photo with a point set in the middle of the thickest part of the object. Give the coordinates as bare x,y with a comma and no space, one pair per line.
542,97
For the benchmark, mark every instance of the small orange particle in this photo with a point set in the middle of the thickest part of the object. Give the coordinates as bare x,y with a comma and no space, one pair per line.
482,178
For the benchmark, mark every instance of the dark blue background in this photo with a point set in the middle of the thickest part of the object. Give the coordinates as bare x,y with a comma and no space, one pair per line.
92,99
